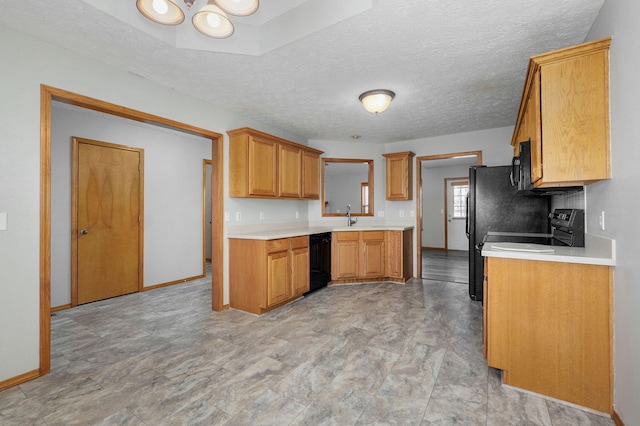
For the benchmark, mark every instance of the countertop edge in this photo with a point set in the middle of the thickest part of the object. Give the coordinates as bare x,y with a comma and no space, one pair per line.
598,251
298,232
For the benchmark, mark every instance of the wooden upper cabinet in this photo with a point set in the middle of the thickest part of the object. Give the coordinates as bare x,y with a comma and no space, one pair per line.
310,175
290,171
399,175
266,166
565,113
263,163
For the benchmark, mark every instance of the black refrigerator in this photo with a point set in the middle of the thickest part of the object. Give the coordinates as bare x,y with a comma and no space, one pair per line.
494,206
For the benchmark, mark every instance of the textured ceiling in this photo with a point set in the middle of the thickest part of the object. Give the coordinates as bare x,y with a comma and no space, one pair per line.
455,65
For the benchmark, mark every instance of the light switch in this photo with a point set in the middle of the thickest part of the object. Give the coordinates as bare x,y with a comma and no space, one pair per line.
3,221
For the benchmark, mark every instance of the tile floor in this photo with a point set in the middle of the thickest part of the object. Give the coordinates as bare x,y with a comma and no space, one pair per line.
363,354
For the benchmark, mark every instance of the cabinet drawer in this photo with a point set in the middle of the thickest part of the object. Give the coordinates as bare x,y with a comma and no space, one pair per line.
278,245
373,235
346,236
300,242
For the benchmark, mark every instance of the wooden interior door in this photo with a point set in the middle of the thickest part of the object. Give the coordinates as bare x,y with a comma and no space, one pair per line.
107,220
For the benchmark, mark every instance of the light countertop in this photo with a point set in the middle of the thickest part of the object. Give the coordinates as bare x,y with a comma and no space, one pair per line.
597,251
275,234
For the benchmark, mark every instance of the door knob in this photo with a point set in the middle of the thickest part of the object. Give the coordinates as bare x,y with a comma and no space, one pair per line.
84,232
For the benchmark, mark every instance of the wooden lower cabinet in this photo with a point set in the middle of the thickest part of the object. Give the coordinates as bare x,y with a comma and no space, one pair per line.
266,274
371,256
400,255
300,265
548,326
345,255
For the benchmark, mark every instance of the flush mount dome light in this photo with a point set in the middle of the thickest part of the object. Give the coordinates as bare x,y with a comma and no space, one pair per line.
376,101
213,22
238,7
165,12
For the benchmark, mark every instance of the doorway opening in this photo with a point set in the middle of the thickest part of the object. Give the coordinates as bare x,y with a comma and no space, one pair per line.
455,212
431,195
47,96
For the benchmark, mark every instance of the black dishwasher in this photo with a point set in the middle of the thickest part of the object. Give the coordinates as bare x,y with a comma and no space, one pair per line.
319,261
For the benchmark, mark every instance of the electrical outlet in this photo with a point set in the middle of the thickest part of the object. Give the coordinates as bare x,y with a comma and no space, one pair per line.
412,213
297,215
381,213
227,216
3,221
401,213
261,215
601,220
238,216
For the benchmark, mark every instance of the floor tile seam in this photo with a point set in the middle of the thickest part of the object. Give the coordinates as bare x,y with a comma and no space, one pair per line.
445,281
435,379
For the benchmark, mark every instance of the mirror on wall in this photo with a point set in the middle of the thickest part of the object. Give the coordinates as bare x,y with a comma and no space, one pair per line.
347,181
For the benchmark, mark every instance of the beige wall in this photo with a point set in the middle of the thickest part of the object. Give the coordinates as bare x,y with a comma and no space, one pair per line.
618,198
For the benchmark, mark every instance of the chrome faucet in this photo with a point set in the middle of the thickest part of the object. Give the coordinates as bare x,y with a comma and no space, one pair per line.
349,221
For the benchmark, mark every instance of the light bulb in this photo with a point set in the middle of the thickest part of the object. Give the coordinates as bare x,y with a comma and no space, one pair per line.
213,20
378,100
160,6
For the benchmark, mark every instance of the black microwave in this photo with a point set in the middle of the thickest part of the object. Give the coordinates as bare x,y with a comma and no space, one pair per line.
521,175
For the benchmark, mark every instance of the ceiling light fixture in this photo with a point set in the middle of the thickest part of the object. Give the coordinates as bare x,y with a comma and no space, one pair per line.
211,20
376,101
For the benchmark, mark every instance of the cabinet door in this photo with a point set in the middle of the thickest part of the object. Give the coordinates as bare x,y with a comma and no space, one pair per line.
574,105
397,179
278,280
290,171
399,175
394,254
548,327
300,270
373,264
263,162
310,175
534,129
345,256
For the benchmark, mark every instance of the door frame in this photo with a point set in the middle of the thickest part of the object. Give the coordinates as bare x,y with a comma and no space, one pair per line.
418,174
74,210
49,94
205,163
446,206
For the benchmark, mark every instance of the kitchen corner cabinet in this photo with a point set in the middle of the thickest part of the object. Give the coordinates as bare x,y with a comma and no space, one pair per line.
548,326
400,255
265,274
266,166
399,168
564,111
359,256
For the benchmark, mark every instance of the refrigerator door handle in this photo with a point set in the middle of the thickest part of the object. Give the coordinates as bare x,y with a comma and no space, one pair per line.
466,224
515,171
